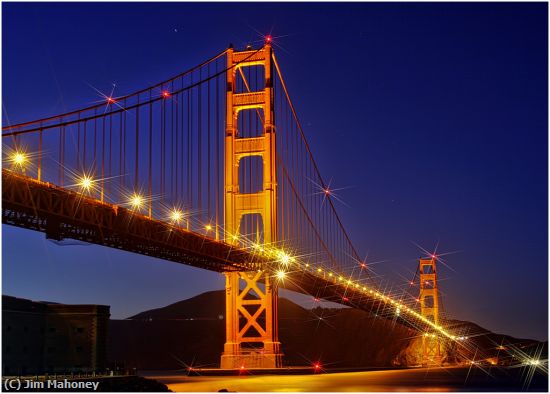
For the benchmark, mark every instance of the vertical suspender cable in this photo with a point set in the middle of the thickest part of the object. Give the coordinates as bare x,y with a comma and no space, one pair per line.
136,179
103,162
176,147
162,156
189,142
40,155
150,180
84,147
95,143
172,145
120,139
199,144
217,136
78,143
110,145
208,148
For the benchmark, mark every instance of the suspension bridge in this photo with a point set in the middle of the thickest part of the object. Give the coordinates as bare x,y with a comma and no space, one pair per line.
210,168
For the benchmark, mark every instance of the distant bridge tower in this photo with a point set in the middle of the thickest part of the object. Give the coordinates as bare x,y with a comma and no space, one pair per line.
429,308
251,313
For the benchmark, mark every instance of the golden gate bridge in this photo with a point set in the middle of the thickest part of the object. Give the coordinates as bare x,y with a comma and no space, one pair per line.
210,168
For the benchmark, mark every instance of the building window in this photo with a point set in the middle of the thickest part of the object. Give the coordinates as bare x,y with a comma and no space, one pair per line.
79,330
8,328
79,349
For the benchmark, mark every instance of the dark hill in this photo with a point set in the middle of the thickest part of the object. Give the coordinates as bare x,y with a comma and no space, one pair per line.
207,305
193,332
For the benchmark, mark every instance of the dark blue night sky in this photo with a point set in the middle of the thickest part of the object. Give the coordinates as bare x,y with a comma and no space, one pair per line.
433,116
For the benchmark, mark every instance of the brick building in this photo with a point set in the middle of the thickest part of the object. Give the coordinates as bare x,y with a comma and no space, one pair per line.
43,337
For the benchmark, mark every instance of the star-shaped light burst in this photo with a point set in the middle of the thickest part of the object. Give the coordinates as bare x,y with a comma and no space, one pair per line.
281,275
18,158
136,201
268,38
86,183
435,255
109,99
327,191
176,216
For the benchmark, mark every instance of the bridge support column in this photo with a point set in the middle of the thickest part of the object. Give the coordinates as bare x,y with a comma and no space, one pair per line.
251,297
429,308
251,325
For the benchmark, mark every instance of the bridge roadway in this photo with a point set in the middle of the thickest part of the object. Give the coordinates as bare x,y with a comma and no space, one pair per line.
61,213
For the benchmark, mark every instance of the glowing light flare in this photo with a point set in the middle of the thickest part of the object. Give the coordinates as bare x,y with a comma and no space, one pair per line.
281,275
19,158
136,201
268,39
110,100
165,94
86,183
176,215
208,227
284,258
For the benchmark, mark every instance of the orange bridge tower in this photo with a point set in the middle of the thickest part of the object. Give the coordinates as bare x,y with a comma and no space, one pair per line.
429,308
251,309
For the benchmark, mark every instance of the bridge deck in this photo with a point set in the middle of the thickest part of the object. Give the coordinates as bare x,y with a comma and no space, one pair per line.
62,213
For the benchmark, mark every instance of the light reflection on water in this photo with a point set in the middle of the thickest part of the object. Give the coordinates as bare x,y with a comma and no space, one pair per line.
409,380
213,387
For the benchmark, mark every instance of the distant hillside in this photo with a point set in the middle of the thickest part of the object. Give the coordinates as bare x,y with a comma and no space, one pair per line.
193,332
209,305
